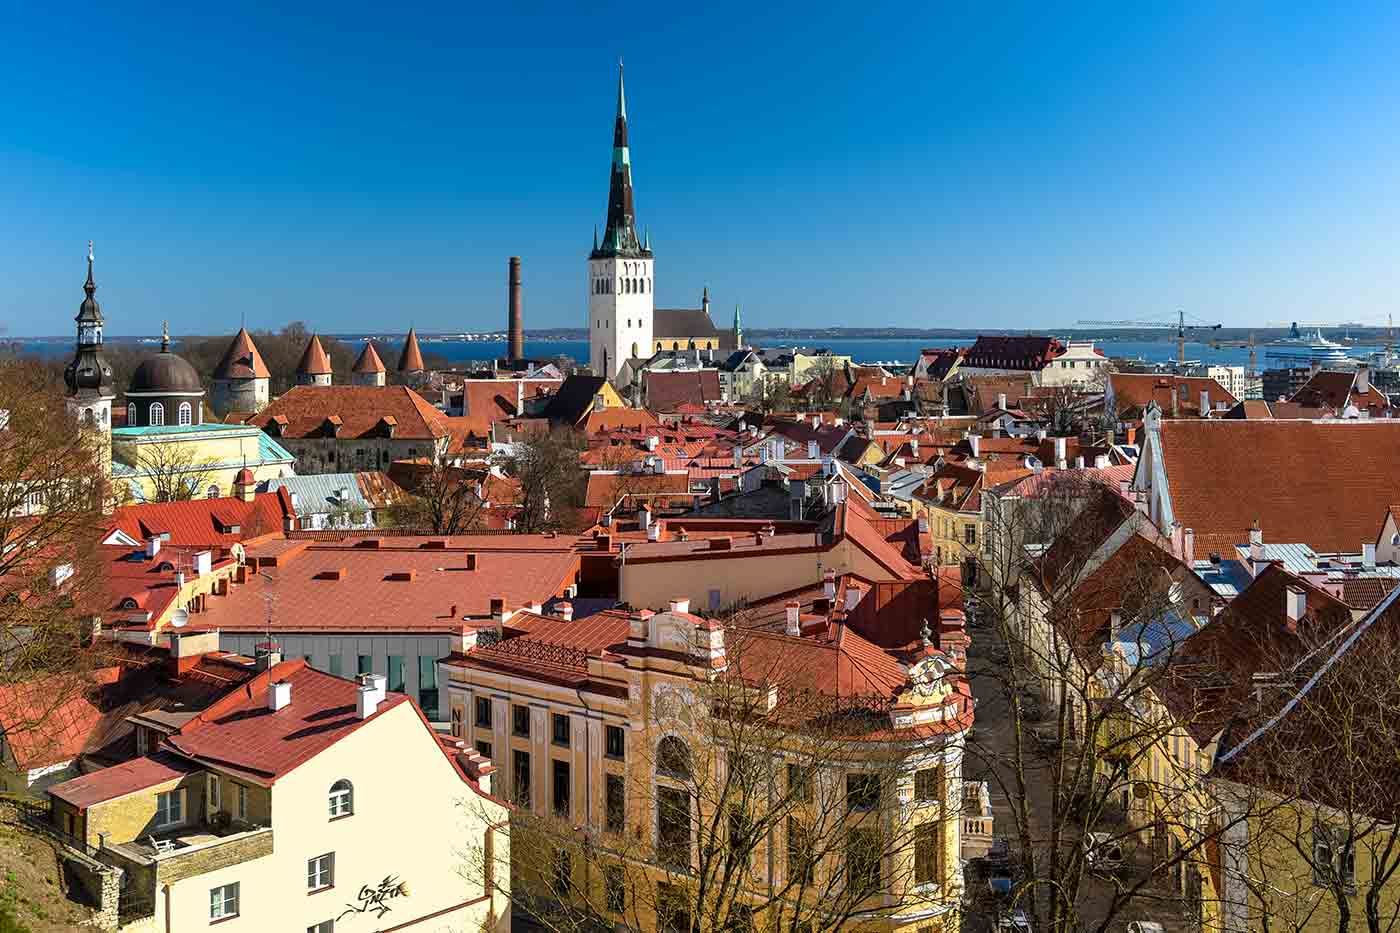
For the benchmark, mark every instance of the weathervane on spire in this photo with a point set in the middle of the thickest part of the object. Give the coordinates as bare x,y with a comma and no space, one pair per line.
165,336
89,251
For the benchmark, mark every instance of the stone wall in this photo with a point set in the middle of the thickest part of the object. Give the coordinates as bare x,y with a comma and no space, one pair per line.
94,884
229,851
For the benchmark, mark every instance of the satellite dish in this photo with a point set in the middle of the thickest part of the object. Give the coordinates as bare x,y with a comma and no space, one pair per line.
180,618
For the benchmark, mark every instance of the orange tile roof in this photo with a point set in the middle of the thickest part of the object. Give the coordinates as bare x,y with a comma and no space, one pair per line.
411,359
120,780
1309,482
612,419
205,522
240,732
369,361
1335,390
1136,390
303,411
315,362
242,359
607,488
405,585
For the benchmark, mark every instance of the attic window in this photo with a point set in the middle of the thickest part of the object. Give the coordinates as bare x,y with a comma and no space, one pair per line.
128,603
165,566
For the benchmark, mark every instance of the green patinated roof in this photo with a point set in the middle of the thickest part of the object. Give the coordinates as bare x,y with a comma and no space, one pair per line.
132,431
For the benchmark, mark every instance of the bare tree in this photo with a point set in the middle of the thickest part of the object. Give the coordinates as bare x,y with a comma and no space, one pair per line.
1320,742
1084,614
551,480
751,799
173,471
770,392
52,580
444,500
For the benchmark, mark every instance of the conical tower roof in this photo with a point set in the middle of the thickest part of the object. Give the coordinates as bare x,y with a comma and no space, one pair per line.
369,361
314,362
242,359
620,235
411,359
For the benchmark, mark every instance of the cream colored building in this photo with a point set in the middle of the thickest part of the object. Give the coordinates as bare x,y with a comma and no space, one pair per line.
595,740
300,801
206,456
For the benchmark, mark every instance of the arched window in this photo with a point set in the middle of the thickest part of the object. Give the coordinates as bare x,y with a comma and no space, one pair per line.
157,414
675,344
213,492
186,413
673,758
87,416
342,799
635,354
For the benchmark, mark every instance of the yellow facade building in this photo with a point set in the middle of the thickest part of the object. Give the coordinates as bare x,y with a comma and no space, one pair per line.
149,463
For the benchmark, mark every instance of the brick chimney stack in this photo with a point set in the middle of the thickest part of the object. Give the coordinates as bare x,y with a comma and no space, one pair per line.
516,348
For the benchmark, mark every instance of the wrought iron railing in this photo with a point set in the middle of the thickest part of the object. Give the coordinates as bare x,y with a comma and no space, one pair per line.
36,816
529,649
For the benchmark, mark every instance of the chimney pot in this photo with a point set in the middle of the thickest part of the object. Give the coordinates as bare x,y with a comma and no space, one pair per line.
680,604
566,611
1368,556
279,695
793,614
1297,604
366,700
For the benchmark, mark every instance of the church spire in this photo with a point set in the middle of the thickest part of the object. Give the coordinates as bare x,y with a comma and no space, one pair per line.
620,236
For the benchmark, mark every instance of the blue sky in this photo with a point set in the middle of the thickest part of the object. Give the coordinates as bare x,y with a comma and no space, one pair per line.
372,166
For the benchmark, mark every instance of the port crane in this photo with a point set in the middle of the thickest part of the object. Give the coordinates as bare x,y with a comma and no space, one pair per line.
1181,328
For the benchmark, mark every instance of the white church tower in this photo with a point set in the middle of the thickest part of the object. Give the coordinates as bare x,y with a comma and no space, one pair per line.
620,284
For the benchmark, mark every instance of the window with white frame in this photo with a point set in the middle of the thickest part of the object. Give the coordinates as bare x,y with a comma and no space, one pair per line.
342,799
325,926
170,808
157,416
186,413
215,796
320,872
241,803
223,901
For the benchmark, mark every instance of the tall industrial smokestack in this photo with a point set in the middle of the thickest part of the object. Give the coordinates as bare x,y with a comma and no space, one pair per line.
516,349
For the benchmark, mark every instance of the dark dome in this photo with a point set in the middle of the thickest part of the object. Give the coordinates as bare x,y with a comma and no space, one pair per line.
88,371
165,372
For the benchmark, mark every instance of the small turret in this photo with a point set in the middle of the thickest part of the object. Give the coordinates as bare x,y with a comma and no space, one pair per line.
369,369
411,368
315,366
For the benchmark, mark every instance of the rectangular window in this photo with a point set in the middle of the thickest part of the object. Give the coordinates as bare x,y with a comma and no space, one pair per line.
215,801
927,782
456,719
863,862
364,664
673,827
241,801
520,772
615,888
427,686
801,858
170,808
325,926
320,872
862,791
561,730
615,741
561,787
799,782
335,665
395,673
484,748
520,721
616,803
928,840
223,901
970,535
483,712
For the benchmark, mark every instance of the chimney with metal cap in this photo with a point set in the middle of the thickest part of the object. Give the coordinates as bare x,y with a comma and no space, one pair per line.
793,614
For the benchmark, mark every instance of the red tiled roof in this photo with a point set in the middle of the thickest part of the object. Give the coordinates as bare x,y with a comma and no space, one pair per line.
120,780
361,409
47,721
838,662
411,359
1028,353
665,391
613,419
242,359
1133,391
1308,482
607,488
314,362
1335,390
205,522
494,399
344,587
241,733
369,361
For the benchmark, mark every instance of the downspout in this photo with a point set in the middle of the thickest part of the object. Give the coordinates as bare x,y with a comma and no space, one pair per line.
587,774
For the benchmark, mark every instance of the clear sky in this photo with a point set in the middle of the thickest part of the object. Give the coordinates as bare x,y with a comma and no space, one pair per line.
371,166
